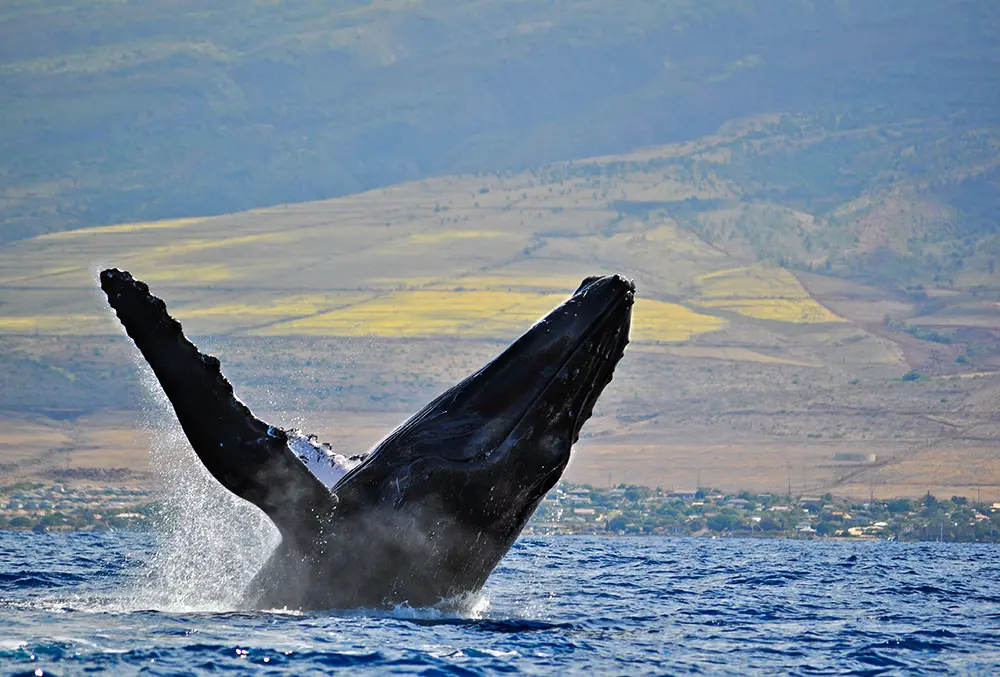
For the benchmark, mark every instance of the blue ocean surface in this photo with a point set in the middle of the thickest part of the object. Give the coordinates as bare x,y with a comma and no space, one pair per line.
75,604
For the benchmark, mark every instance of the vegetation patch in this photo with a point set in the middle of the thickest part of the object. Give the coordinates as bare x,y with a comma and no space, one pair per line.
763,293
58,325
670,322
446,235
188,247
274,309
521,282
468,313
196,274
122,228
668,236
780,310
428,313
751,282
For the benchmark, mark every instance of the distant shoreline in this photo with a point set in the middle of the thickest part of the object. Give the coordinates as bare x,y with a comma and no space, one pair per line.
568,534
571,509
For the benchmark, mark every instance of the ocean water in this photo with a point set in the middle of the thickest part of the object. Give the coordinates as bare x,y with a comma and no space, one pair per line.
87,603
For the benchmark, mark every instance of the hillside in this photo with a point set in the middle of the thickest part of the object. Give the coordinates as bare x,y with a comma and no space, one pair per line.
122,112
768,349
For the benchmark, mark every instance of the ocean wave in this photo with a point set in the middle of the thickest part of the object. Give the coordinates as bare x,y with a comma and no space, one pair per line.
567,605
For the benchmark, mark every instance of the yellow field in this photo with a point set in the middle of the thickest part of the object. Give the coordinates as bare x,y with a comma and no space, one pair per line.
45,272
472,313
122,228
187,247
763,293
668,236
419,279
445,235
780,310
56,325
277,308
475,314
190,274
562,284
670,322
424,313
751,282
499,281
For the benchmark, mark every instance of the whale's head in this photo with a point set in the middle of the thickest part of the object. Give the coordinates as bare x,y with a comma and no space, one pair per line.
486,451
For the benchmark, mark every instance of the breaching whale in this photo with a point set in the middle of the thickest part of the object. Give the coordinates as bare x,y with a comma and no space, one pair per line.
431,510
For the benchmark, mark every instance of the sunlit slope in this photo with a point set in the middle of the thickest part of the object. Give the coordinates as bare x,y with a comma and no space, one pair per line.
466,257
764,293
738,369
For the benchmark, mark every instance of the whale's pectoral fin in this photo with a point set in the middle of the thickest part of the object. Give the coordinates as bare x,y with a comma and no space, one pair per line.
249,457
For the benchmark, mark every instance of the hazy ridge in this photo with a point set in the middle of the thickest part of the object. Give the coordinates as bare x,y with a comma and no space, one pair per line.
119,112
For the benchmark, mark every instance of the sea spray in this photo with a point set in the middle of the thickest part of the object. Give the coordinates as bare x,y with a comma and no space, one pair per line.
210,543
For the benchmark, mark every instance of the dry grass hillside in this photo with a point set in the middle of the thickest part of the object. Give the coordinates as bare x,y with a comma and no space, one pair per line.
343,316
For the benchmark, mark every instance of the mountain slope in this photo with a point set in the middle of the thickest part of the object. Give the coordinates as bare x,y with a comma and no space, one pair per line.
124,112
343,315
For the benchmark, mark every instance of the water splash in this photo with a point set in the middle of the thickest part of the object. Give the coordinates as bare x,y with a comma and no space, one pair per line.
210,543
470,606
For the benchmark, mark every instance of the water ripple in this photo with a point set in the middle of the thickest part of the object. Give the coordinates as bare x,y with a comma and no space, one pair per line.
569,605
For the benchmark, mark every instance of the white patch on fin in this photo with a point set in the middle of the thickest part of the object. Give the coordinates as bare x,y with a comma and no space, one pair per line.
328,467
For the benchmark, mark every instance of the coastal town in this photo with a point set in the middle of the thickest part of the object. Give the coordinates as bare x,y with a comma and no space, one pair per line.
582,509
706,512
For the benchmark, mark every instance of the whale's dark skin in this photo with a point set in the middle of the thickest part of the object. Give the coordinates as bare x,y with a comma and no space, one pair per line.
434,507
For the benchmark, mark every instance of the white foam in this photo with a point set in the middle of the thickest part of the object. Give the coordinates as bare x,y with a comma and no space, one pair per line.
466,605
328,466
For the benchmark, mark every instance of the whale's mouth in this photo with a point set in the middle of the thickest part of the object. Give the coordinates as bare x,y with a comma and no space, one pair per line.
583,375
596,354
611,332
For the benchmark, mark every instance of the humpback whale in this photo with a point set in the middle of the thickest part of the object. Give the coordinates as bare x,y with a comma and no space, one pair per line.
431,510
